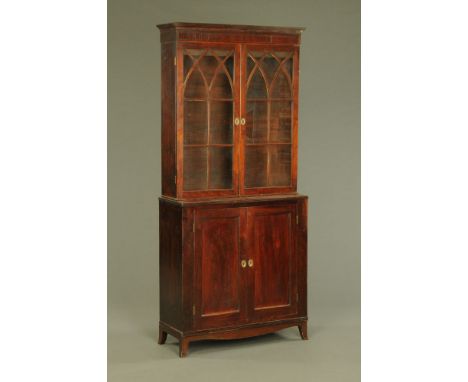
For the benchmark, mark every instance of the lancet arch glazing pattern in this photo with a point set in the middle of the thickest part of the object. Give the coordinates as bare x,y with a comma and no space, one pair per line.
269,110
208,119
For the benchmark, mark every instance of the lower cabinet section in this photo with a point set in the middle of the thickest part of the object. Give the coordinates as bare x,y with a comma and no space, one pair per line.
232,269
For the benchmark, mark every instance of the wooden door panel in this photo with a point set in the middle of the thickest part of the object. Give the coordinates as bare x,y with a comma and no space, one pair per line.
219,263
218,277
272,248
272,258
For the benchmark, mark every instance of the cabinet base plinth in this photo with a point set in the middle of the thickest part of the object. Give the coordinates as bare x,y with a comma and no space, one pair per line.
228,334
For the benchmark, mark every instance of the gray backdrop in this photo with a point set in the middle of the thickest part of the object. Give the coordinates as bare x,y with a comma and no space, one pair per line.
329,172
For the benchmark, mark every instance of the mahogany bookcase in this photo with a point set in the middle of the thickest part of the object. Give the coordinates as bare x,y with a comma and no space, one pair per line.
232,228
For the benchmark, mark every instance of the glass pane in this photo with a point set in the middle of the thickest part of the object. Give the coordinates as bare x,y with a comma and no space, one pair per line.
280,165
208,65
195,168
195,86
229,65
270,66
188,62
195,53
250,65
287,65
257,86
195,122
221,87
258,54
220,168
255,166
221,122
256,122
228,62
282,55
280,121
281,87
269,111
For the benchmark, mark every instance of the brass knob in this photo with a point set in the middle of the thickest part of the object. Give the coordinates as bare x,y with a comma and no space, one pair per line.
243,263
236,121
250,263
242,121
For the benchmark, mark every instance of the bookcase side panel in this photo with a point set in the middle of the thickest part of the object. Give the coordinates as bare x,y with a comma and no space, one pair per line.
168,120
170,264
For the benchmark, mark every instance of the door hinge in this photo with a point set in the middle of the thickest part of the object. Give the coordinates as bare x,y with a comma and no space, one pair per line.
297,219
193,226
175,60
175,179
193,309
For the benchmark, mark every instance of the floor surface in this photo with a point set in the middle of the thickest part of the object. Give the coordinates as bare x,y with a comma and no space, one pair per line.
332,353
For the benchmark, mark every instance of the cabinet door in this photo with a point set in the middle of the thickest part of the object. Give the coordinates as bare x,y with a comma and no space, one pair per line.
219,281
208,103
273,267
269,89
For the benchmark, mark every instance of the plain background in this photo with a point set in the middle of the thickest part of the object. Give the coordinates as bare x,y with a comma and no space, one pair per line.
53,206
329,173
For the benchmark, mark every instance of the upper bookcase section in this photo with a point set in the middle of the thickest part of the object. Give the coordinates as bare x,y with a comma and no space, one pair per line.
230,33
229,121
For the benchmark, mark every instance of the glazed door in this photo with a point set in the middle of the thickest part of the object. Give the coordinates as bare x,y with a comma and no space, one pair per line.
208,103
271,248
269,94
219,287
237,119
